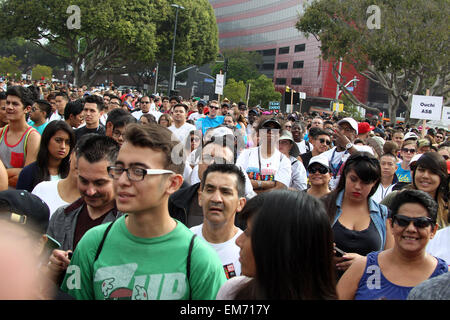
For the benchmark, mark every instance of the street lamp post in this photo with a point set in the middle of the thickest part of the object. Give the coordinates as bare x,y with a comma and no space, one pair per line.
172,75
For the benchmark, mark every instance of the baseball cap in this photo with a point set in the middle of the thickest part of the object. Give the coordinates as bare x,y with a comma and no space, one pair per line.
202,102
274,121
364,127
352,122
410,135
27,209
320,159
286,135
253,111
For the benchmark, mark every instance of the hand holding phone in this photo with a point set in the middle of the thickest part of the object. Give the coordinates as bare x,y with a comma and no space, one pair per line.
338,252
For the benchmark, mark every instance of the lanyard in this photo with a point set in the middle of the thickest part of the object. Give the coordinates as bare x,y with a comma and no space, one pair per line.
335,169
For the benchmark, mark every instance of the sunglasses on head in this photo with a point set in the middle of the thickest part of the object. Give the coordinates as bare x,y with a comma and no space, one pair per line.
321,169
409,150
328,142
420,222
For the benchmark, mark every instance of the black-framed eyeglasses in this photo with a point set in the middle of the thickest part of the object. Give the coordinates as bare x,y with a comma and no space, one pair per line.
320,169
419,222
134,173
117,134
322,141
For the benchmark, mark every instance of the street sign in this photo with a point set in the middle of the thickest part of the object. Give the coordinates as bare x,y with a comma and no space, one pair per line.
274,105
302,95
219,84
446,115
209,80
340,109
350,88
426,107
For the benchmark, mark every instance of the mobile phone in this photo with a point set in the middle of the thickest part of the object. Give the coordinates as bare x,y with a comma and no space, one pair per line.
70,254
339,252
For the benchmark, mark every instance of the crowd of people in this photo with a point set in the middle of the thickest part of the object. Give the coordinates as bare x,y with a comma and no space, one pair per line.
140,196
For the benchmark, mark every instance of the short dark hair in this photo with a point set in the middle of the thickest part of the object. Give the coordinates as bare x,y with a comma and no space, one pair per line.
24,94
156,137
186,108
315,132
122,121
97,147
115,114
414,196
2,95
73,107
62,94
95,99
230,169
175,98
165,98
45,106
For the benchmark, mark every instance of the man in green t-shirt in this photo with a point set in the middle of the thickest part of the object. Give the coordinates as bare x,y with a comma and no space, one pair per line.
146,253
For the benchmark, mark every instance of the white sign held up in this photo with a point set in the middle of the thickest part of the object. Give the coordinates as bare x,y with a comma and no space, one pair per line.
219,84
446,115
426,107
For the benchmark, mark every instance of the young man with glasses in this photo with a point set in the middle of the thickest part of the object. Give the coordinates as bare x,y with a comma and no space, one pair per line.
321,142
213,119
145,109
39,115
159,257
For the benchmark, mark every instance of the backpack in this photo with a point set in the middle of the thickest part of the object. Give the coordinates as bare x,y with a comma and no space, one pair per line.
188,263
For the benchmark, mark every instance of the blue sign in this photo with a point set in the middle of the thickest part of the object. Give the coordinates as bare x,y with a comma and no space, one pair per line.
350,88
274,105
209,80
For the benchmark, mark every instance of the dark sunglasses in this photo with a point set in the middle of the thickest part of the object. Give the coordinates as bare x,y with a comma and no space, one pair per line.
328,142
409,150
322,170
446,157
213,107
420,222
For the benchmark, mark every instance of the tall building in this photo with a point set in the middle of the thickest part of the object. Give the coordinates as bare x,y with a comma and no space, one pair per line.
289,58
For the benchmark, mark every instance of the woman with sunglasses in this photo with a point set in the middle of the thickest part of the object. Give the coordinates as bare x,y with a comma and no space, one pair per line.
393,273
429,174
358,222
319,176
408,150
289,148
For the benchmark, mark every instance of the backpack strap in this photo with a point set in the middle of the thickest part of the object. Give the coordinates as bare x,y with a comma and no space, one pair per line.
188,263
100,247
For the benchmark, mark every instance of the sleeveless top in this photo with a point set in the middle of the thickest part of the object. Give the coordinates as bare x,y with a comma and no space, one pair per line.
14,156
361,242
374,286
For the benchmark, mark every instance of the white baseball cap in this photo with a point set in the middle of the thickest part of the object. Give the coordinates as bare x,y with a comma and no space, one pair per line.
410,135
320,159
352,122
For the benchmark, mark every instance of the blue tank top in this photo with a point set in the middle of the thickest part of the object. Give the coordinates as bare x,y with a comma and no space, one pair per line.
374,286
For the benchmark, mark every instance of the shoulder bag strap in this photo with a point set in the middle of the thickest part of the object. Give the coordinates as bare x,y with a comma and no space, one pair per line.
188,263
100,247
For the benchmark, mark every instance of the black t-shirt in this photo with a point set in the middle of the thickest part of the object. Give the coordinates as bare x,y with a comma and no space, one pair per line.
306,157
83,130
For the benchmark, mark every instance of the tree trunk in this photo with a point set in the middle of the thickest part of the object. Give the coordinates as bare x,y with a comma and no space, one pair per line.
393,106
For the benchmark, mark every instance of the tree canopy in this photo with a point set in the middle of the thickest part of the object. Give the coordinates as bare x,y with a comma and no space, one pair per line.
241,65
262,91
406,53
113,32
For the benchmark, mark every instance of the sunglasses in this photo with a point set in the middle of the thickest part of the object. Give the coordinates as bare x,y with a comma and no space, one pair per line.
322,170
328,142
446,157
409,150
420,222
213,107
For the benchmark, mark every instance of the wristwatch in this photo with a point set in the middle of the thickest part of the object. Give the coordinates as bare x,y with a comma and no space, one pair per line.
348,146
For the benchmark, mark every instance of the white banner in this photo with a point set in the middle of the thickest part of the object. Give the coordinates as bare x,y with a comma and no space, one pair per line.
446,115
219,84
426,107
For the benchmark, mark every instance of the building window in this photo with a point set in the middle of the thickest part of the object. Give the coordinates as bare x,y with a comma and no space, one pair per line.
296,81
298,64
281,81
269,52
300,47
283,50
268,66
282,65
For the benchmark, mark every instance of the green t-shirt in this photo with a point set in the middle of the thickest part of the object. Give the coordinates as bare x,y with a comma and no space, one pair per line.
130,267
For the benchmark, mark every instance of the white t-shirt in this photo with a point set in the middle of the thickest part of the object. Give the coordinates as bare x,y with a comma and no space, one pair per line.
337,160
48,192
299,176
138,114
381,192
439,246
56,116
275,168
195,116
182,132
302,146
228,252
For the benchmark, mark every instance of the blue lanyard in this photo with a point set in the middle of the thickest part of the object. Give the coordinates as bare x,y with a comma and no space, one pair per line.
335,168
